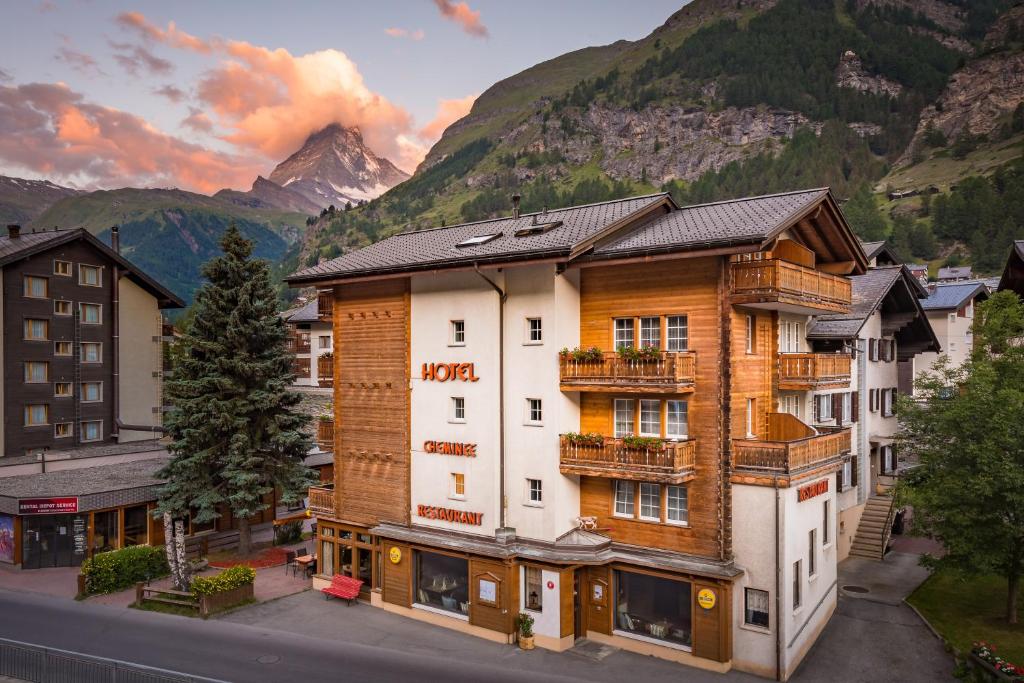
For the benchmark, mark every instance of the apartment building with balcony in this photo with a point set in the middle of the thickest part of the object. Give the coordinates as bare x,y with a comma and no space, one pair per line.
950,309
583,413
311,341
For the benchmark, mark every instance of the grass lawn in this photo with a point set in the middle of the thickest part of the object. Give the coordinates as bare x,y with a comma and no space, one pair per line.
966,611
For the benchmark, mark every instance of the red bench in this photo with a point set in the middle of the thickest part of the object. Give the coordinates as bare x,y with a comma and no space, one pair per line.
344,587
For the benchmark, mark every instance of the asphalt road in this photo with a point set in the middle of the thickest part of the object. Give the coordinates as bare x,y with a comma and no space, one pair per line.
223,650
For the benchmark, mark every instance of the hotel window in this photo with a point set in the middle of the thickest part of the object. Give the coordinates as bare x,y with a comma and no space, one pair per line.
677,333
91,314
62,268
61,307
797,571
36,329
676,505
534,411
458,485
812,552
458,409
37,414
790,403
887,397
755,607
751,330
62,389
534,331
442,582
534,491
534,589
37,372
650,418
650,333
751,420
624,333
624,415
458,333
847,407
826,523
789,336
650,502
62,430
36,287
676,421
824,402
89,276
92,430
92,392
92,352
654,608
62,348
625,502
325,341
847,475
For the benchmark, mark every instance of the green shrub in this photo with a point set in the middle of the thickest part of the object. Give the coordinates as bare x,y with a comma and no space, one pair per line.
288,532
229,579
119,569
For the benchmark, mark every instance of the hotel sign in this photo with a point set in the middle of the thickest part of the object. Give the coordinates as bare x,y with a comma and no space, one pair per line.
449,372
47,506
450,448
449,515
811,490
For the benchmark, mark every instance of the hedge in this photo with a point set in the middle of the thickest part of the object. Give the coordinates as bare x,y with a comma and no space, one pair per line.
229,579
119,569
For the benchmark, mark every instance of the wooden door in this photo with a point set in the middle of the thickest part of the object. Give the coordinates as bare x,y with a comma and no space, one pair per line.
491,596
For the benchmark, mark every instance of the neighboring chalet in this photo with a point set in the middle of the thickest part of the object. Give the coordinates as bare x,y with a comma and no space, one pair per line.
950,308
600,415
310,340
880,254
954,273
1013,273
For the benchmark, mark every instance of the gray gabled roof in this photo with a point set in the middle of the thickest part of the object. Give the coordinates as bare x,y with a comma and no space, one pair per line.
436,248
952,295
307,313
950,272
868,290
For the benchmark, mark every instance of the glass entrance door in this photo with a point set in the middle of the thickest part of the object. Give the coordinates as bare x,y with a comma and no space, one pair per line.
49,541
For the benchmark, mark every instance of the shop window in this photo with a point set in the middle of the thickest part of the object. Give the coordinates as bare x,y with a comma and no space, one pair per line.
442,582
677,424
104,531
755,607
365,567
625,493
37,329
91,314
650,333
458,333
624,333
650,418
676,505
534,589
654,607
61,307
650,502
677,333
92,352
135,526
36,287
62,268
92,430
37,372
89,276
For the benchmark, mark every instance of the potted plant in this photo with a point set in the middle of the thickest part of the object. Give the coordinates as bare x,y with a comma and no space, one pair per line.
524,623
590,439
643,354
643,443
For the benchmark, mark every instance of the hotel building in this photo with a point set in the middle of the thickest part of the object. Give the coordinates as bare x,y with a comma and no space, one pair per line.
600,415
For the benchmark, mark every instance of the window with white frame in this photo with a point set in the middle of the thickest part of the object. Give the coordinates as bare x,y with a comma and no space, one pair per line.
36,287
751,332
826,522
325,341
824,407
847,475
650,501
62,430
62,348
534,589
37,329
62,389
755,607
625,503
534,411
89,276
624,333
677,509
650,417
457,335
91,314
37,372
37,414
92,352
650,333
797,583
624,416
458,409
789,403
847,407
790,333
676,420
677,333
91,430
812,552
458,485
61,307
534,331
92,392
534,491
751,419
62,268
887,402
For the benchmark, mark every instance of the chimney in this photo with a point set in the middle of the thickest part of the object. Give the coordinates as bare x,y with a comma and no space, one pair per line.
515,205
115,239
13,231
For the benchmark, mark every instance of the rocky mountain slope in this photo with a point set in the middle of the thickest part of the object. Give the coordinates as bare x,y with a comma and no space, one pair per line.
335,167
22,200
266,194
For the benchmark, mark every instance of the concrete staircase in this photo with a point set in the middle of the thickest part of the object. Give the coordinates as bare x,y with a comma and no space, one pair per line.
874,529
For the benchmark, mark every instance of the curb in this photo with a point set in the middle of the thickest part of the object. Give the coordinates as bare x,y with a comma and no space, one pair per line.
926,622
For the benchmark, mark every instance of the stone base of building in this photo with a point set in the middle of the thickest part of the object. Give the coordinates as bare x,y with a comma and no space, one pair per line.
453,623
660,651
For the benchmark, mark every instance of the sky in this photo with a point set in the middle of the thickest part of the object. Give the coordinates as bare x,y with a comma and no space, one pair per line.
206,95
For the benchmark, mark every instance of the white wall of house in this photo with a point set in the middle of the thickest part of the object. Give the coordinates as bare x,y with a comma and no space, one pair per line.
954,334
320,343
547,623
140,361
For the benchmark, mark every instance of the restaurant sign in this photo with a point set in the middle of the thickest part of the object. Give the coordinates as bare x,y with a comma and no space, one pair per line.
811,490
47,506
450,448
449,515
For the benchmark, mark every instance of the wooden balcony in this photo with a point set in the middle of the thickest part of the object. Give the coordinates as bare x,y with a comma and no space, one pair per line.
778,284
325,305
792,447
671,371
298,343
672,463
325,370
321,499
325,434
807,371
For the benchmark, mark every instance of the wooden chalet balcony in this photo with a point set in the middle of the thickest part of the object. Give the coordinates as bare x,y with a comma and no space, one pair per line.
325,434
321,499
786,279
806,371
669,371
325,305
791,447
325,370
298,343
671,463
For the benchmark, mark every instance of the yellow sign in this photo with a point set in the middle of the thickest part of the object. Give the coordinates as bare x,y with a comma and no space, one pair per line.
395,555
706,598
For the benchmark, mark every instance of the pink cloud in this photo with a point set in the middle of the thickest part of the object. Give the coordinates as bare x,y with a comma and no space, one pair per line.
169,36
171,92
418,34
197,121
448,112
135,59
79,61
51,130
461,14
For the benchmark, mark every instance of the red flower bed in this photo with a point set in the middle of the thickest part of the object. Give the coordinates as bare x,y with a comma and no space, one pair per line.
268,557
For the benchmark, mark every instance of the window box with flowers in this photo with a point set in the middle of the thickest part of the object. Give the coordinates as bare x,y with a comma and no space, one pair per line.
642,354
984,656
581,355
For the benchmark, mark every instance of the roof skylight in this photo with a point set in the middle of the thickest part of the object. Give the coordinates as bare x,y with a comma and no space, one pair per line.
478,240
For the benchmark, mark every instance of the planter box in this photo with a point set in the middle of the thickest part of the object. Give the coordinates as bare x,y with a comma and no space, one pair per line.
219,601
992,673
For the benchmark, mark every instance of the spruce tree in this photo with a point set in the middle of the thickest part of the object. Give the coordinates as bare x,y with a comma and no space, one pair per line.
235,428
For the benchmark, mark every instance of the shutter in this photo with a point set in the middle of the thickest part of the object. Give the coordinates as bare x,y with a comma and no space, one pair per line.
854,470
816,408
837,408
892,349
839,479
855,405
873,400
872,349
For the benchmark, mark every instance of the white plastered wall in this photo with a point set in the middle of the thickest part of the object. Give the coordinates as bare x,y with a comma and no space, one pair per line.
140,360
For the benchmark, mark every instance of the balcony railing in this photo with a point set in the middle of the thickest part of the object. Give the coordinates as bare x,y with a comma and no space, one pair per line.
773,280
325,434
804,371
325,370
791,447
325,305
321,499
671,462
669,369
298,344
